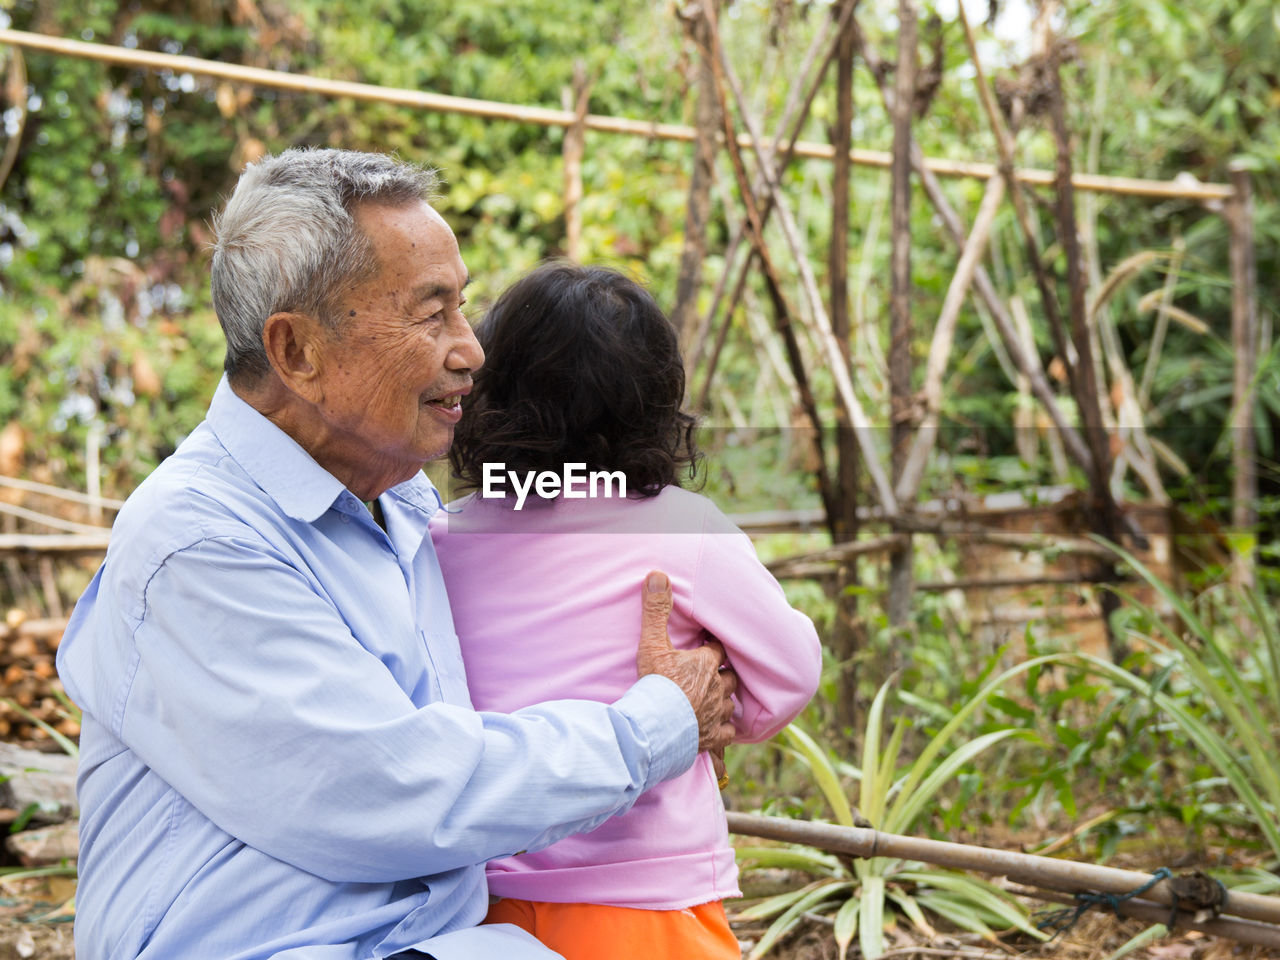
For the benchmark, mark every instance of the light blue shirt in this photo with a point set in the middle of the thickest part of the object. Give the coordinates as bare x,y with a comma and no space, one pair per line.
279,757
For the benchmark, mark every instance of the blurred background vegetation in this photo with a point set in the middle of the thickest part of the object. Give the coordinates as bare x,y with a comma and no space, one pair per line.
108,341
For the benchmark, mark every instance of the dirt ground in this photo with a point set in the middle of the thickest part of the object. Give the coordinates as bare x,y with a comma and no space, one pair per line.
1095,937
35,924
35,919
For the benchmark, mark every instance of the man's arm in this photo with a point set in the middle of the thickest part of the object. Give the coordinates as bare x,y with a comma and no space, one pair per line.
281,728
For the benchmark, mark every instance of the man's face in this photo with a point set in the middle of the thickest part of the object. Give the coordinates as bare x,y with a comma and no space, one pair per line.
394,372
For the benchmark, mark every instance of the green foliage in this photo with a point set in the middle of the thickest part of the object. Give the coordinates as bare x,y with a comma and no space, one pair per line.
893,796
1233,712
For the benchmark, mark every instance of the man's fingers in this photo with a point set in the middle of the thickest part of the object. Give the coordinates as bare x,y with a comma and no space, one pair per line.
716,647
655,608
730,681
717,762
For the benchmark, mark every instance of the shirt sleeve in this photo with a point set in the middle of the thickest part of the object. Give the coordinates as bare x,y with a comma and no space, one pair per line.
773,648
251,697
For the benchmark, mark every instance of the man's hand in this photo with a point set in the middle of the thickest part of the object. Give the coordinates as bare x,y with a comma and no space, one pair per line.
703,674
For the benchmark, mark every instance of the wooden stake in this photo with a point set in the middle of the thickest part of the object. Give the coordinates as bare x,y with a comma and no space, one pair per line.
901,398
1244,346
781,309
847,635
16,89
698,208
575,141
1005,147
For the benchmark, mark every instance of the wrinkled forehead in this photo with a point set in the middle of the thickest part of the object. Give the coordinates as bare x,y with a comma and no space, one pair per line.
416,251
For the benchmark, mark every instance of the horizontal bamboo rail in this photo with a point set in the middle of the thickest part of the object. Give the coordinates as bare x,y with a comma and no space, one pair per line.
44,628
75,496
48,520
1064,875
543,116
65,543
843,551
1246,931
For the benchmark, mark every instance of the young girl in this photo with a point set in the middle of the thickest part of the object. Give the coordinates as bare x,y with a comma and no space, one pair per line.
583,368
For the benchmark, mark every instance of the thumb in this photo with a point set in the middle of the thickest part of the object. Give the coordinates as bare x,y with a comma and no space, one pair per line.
655,608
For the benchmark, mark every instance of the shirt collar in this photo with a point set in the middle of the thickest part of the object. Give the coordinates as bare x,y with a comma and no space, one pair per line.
302,488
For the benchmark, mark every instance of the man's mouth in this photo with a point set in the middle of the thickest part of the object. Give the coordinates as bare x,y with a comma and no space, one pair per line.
452,401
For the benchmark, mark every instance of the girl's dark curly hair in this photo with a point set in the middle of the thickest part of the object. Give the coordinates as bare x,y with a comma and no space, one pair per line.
581,366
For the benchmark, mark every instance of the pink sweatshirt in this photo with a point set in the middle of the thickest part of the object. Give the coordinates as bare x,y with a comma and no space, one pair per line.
546,602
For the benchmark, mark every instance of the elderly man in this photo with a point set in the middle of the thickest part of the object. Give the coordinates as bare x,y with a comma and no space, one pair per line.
279,757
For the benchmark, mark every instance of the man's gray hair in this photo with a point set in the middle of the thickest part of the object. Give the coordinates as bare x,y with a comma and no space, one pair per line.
287,241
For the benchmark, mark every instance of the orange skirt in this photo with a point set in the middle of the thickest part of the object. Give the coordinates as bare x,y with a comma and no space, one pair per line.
592,931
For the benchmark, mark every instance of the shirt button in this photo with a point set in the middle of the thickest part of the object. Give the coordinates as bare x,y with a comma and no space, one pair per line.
345,518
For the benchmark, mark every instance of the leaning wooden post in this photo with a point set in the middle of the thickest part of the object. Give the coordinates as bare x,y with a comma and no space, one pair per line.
822,320
846,634
901,398
1107,519
794,114
781,309
1244,344
975,247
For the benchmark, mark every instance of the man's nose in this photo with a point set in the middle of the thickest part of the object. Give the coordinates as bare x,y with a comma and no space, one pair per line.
466,352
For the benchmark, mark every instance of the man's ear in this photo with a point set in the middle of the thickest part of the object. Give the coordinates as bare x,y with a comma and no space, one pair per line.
292,344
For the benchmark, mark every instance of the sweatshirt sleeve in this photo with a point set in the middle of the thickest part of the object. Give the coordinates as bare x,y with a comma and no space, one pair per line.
773,647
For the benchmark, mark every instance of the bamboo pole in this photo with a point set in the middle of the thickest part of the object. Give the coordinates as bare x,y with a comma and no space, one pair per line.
75,496
1065,875
543,116
43,628
843,551
44,519
67,543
